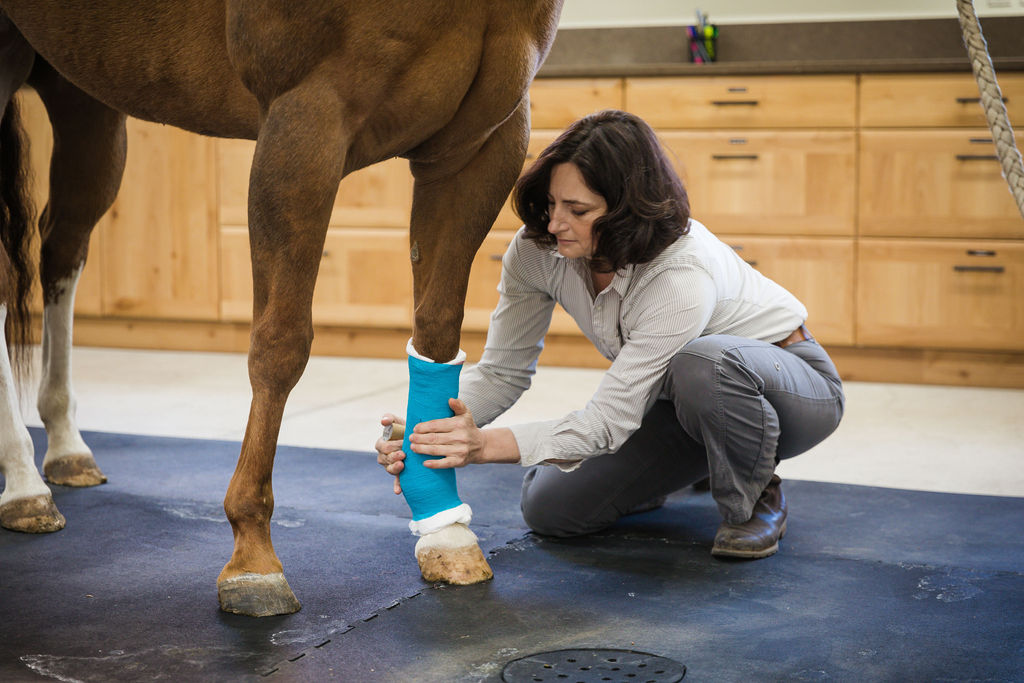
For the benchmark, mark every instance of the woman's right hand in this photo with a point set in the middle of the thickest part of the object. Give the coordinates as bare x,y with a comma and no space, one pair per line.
389,450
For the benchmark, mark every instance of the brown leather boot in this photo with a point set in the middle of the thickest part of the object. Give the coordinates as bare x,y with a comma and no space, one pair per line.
758,536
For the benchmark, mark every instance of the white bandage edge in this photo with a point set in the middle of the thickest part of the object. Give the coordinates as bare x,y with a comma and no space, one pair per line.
461,514
459,359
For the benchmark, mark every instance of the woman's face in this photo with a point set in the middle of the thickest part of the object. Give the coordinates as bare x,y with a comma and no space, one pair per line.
572,208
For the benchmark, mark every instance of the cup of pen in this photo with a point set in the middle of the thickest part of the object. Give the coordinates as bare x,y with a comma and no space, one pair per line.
703,43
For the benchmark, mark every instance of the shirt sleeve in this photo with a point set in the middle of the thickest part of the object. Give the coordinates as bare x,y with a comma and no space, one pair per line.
674,308
515,338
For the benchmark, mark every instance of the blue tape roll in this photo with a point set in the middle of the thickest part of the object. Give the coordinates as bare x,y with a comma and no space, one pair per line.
427,491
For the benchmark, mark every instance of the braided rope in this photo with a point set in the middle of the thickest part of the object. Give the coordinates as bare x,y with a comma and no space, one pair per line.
992,101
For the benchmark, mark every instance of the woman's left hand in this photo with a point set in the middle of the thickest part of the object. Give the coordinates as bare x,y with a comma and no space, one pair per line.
456,439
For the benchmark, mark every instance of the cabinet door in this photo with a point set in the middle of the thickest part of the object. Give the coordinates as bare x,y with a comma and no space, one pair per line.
159,247
794,183
934,183
557,102
744,101
379,195
365,279
816,270
89,295
941,100
954,294
482,296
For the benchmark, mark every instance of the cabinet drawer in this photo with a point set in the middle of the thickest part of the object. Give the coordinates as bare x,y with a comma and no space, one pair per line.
941,183
954,294
816,270
379,195
482,296
939,100
365,279
557,102
744,101
791,182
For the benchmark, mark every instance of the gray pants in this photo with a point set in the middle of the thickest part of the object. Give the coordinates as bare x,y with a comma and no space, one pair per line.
736,407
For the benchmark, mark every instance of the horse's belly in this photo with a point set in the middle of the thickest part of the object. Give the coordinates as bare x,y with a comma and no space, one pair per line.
158,60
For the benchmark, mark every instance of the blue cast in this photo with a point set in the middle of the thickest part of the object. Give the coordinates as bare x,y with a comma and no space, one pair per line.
428,491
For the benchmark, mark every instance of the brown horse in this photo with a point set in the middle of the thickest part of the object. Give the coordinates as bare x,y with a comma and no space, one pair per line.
325,87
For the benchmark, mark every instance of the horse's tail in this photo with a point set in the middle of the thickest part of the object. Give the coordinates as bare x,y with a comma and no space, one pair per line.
16,228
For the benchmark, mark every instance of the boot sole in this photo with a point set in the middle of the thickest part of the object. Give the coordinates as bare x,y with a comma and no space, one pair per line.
719,551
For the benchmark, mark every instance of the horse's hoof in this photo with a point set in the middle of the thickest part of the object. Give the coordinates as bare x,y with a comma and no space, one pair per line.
32,515
257,595
74,470
452,555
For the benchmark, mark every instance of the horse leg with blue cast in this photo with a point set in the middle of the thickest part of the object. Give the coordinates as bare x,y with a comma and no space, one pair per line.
447,550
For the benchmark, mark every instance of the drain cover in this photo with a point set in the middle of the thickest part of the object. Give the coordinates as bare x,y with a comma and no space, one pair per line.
587,665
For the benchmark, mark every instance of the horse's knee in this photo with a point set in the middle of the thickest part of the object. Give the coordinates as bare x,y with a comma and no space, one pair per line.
278,354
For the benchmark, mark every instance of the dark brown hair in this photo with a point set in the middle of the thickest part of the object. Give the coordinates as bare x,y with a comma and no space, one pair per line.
620,159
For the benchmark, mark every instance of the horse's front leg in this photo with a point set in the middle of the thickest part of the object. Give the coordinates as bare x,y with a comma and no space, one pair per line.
295,175
452,212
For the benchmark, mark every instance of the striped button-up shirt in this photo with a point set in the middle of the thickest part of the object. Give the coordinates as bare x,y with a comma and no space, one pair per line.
697,286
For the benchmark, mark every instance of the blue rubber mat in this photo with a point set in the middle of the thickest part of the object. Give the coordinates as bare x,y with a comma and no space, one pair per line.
870,583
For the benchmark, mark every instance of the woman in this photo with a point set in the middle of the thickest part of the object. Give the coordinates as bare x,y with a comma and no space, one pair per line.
713,372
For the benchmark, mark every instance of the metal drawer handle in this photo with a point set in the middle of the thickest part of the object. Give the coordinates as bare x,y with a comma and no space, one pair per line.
753,264
977,157
736,247
980,252
734,103
974,100
726,157
980,141
495,257
979,269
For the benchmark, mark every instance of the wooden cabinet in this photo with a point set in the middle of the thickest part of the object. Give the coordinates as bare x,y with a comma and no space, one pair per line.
768,182
769,164
744,101
380,195
956,294
932,100
873,198
365,279
482,295
817,270
159,248
934,183
928,170
554,104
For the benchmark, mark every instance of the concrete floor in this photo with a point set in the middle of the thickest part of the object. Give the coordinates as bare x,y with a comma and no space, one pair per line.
931,438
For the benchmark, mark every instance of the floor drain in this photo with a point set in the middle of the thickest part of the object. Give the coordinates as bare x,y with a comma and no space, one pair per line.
588,665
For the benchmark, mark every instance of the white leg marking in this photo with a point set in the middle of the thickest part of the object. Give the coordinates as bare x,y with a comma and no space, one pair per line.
57,403
16,455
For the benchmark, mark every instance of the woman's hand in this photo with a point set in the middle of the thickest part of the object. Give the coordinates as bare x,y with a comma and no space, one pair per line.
454,441
389,451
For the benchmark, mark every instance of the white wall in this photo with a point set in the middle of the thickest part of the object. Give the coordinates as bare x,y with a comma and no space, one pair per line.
607,13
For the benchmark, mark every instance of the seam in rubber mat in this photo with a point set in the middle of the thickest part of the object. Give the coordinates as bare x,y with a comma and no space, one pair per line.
276,668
